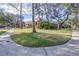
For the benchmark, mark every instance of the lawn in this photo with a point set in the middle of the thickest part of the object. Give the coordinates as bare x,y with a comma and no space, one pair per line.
2,31
42,38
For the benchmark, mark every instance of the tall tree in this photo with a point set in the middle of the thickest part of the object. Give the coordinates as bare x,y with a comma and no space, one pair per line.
75,10
59,13
33,17
20,15
52,10
15,6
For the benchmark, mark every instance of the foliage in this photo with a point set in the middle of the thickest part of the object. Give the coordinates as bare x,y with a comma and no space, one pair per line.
46,25
66,24
55,11
6,18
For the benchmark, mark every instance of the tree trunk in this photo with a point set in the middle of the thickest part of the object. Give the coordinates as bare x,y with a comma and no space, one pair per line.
58,25
47,18
39,17
65,20
20,15
33,21
76,18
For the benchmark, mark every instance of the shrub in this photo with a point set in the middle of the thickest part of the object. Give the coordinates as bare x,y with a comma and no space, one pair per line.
66,25
46,25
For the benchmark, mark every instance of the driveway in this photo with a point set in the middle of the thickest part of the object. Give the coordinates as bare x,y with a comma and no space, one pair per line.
10,48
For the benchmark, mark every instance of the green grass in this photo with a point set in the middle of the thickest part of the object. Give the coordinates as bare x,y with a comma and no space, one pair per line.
42,38
2,31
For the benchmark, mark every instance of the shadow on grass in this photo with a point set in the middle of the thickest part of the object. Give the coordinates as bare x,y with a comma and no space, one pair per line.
40,39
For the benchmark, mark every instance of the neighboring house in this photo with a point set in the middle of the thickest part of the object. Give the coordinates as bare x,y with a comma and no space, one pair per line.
29,23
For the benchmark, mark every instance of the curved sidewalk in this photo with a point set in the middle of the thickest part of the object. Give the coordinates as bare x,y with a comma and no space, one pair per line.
10,48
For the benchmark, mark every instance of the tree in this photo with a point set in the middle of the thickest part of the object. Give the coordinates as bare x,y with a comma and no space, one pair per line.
20,15
52,11
75,10
15,6
39,10
60,16
33,17
6,18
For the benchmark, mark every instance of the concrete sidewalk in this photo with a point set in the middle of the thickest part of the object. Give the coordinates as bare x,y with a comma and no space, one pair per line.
10,48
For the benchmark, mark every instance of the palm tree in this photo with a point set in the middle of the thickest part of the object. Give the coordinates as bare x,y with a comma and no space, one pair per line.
33,25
